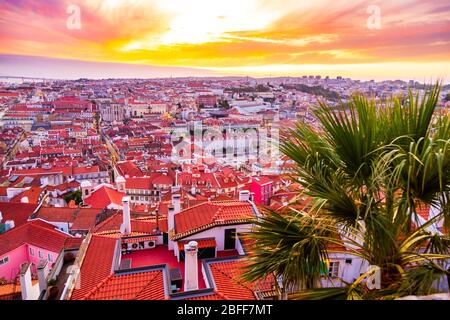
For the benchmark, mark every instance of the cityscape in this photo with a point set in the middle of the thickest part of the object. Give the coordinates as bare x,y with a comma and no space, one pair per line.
193,178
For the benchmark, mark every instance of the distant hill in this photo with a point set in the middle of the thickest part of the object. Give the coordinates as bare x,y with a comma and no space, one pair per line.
315,90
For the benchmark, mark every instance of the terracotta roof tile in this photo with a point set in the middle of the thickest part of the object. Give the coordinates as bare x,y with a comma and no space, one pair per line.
226,278
135,286
96,266
206,214
423,210
103,197
18,212
55,214
201,243
85,219
37,233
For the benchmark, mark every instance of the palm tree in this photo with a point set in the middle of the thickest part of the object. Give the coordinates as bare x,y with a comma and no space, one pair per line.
369,168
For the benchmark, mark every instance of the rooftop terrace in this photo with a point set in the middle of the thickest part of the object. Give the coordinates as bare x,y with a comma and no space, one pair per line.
162,255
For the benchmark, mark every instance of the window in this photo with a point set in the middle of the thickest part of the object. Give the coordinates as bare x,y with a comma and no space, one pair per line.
4,260
31,252
40,254
50,257
333,270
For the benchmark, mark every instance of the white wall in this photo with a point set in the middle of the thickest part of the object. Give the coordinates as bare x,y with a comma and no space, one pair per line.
219,234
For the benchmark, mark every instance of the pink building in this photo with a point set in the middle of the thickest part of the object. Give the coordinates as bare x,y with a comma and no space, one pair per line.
31,242
262,189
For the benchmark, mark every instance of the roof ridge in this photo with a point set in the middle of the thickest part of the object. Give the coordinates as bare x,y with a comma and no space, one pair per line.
52,229
98,226
195,206
217,214
157,272
233,278
222,295
97,287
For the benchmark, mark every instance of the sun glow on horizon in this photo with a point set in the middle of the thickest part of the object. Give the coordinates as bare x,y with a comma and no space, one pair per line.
238,36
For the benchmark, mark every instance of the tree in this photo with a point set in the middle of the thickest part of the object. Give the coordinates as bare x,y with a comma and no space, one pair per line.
76,196
368,170
223,104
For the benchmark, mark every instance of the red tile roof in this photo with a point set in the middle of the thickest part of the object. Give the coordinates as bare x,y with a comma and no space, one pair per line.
103,197
229,285
128,168
262,180
139,239
54,214
141,225
135,286
423,210
85,219
212,296
82,170
18,212
208,214
36,233
97,265
226,278
33,194
201,243
73,243
139,183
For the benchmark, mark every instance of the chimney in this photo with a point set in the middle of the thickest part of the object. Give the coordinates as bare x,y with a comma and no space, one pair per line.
176,203
193,189
25,282
190,266
42,271
244,195
171,223
1,216
126,225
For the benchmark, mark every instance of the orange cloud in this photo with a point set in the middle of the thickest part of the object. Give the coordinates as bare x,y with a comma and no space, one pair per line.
231,35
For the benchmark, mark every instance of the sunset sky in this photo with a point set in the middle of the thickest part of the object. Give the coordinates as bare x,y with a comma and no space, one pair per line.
232,37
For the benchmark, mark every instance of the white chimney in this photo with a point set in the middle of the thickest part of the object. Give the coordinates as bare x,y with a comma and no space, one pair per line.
176,203
171,217
42,271
193,190
25,282
171,223
190,266
244,195
1,216
25,200
126,225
